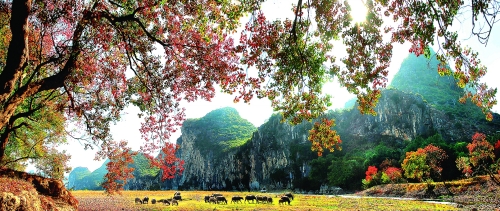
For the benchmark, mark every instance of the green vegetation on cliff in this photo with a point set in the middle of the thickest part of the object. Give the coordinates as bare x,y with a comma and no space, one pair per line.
221,129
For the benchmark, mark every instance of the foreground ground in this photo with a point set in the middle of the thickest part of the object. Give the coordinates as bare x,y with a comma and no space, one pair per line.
478,193
194,200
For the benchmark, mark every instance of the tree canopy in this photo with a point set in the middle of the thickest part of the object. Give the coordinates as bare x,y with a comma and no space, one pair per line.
86,61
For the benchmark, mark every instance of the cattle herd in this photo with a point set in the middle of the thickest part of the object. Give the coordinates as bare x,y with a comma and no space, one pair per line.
218,198
172,201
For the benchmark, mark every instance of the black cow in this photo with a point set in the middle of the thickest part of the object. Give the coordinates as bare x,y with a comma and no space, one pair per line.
236,199
145,200
250,198
153,201
138,201
262,199
285,199
178,197
269,200
221,199
174,202
281,201
212,200
216,194
207,198
289,195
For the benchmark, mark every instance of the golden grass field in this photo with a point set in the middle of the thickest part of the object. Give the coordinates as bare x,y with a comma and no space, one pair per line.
194,200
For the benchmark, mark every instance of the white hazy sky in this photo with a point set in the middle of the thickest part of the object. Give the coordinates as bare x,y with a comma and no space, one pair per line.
259,110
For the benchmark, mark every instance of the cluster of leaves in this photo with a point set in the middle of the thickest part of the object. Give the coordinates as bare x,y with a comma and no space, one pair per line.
424,163
322,136
389,174
481,159
420,21
118,170
167,161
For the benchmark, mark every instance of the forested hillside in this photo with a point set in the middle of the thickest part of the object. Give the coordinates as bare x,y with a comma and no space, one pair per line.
419,75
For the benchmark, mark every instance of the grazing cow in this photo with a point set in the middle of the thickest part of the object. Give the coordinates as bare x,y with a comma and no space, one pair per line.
262,199
153,201
281,201
236,199
269,200
175,202
145,200
221,199
207,198
289,195
138,201
178,197
212,200
250,198
285,199
166,202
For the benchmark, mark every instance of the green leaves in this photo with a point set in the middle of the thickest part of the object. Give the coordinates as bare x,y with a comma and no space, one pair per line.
322,136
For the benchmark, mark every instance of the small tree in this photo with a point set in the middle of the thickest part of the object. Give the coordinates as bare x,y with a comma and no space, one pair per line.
415,165
372,177
393,174
481,159
424,163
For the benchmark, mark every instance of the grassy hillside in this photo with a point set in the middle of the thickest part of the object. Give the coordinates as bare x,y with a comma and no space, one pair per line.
222,129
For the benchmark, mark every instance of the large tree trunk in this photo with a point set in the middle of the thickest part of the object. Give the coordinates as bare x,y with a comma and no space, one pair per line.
18,48
3,145
16,57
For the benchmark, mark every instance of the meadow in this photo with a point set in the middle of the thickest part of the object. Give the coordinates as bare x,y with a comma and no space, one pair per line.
194,200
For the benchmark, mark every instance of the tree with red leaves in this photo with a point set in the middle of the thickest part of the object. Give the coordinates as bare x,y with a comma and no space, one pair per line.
424,164
481,159
372,177
120,156
167,162
88,60
394,174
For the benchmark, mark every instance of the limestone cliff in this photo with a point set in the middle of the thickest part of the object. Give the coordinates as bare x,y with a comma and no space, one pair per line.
278,147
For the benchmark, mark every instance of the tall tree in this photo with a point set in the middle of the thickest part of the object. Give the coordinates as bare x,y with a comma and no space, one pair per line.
87,60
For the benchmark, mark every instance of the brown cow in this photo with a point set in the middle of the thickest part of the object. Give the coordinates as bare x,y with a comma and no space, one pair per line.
138,201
